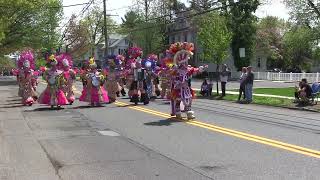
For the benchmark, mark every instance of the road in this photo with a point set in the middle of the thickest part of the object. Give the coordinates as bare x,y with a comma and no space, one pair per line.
227,141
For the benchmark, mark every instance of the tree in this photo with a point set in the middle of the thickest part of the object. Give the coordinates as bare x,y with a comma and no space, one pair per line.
214,38
270,32
6,64
304,12
299,48
85,34
28,24
242,23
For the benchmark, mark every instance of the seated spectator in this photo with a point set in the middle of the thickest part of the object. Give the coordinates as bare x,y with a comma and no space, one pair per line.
303,92
205,88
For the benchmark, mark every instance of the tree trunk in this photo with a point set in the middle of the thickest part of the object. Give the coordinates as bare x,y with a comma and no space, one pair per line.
217,78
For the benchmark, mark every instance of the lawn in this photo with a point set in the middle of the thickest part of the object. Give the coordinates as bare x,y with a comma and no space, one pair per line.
275,91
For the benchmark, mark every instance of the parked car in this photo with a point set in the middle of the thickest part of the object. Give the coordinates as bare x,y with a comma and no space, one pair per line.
275,70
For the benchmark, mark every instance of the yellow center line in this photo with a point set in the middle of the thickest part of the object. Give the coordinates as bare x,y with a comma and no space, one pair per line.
231,132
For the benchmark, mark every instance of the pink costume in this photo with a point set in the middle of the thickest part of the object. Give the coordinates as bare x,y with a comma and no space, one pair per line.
53,95
27,78
93,91
65,64
181,93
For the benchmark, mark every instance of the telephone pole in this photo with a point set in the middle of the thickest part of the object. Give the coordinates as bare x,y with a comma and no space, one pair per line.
105,29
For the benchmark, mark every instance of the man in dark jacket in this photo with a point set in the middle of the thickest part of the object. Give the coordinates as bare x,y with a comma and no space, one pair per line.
249,84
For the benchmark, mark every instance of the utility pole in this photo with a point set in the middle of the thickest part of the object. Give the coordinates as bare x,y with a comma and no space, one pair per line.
146,30
105,29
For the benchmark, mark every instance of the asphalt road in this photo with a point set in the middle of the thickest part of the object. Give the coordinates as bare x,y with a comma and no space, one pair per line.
227,141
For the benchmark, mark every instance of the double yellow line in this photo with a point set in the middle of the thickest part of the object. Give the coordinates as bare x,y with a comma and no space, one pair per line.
234,133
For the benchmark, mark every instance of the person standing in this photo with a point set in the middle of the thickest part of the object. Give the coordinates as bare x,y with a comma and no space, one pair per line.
249,84
224,74
242,84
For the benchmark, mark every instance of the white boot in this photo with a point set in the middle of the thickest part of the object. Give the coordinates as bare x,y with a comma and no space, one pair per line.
178,115
190,115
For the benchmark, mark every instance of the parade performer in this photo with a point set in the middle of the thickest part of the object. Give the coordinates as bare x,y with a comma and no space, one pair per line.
27,78
93,91
180,90
65,64
121,79
164,75
112,73
134,53
53,95
137,91
150,80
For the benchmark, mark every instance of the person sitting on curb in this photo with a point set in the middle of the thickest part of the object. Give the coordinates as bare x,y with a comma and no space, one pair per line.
304,92
204,88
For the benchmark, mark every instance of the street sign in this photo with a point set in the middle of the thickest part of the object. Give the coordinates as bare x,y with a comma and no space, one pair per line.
242,52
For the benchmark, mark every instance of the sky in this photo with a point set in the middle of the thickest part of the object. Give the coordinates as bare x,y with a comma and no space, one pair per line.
119,8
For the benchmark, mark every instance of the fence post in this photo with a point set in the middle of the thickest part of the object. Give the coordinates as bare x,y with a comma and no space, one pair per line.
279,77
258,75
268,74
317,76
290,76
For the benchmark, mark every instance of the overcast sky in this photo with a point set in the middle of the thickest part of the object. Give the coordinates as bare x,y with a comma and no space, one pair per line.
119,7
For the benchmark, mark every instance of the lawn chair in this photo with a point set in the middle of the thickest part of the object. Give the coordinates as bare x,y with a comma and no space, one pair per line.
315,92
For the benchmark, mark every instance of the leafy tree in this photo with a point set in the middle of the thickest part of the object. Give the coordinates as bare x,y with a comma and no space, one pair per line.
6,63
28,24
298,48
214,38
242,23
270,32
304,12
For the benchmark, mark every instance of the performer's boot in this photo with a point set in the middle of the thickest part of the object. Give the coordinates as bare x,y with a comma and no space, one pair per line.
118,94
123,92
135,99
145,98
157,92
190,115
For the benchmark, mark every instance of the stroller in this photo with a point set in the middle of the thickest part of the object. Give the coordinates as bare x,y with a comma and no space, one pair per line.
315,92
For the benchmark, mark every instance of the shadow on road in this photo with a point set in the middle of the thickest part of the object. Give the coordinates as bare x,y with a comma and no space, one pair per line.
14,106
45,109
87,106
166,122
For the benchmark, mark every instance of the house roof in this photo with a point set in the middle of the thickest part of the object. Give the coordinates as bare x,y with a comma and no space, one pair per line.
115,39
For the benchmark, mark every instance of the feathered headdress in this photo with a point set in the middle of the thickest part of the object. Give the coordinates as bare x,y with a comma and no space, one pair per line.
150,62
26,60
52,60
182,52
167,60
64,60
135,52
92,62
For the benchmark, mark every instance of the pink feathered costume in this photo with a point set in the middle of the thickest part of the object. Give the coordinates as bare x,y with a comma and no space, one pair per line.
93,90
53,95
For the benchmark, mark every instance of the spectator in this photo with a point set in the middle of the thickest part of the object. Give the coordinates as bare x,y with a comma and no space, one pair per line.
304,92
242,84
205,88
249,84
224,74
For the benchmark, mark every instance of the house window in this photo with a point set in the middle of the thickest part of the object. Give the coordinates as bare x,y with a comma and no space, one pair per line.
185,37
179,38
172,39
259,62
119,51
126,42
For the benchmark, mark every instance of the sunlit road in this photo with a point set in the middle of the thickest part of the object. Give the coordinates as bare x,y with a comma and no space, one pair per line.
226,141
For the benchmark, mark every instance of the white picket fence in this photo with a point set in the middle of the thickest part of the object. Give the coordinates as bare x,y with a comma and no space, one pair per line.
288,77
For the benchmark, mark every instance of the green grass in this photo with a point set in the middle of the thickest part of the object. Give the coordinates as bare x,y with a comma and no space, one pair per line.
268,101
275,91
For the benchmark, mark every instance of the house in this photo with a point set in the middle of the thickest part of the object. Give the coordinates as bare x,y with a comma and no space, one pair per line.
118,44
183,30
